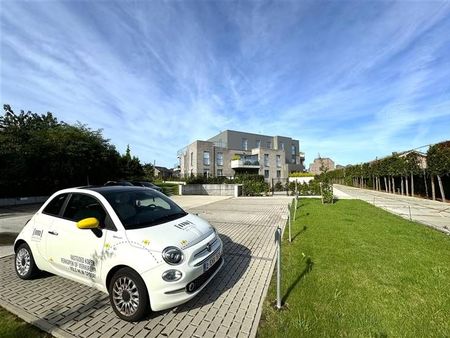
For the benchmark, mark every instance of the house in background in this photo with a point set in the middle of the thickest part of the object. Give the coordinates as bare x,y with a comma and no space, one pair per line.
233,152
163,172
320,164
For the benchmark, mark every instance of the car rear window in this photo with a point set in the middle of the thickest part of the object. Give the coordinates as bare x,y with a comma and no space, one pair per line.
54,207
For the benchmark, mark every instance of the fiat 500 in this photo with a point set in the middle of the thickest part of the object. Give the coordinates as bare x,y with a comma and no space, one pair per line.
133,243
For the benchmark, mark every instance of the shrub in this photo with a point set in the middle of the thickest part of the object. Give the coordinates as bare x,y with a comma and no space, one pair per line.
300,174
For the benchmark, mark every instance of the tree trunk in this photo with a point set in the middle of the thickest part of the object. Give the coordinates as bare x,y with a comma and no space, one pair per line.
441,188
426,184
389,184
433,189
407,185
402,185
393,185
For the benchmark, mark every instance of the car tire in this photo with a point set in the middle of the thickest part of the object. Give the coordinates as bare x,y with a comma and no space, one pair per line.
24,262
128,295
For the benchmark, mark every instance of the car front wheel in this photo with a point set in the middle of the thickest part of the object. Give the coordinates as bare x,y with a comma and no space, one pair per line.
24,262
128,295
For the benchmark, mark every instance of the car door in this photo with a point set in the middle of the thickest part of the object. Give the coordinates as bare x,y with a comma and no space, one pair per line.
43,222
77,253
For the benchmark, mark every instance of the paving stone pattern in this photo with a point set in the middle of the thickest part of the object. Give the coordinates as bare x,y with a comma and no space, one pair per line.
230,306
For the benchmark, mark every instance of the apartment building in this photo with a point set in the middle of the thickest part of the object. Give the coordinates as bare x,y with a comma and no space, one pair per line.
232,152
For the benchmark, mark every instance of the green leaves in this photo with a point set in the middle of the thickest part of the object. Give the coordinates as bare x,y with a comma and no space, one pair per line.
39,155
438,159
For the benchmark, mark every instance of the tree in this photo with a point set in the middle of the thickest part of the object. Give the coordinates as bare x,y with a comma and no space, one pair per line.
39,155
412,165
438,161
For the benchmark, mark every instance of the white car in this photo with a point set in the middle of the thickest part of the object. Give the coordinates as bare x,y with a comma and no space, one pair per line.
131,242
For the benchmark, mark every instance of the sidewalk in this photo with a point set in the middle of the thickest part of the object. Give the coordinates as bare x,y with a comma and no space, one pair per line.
431,213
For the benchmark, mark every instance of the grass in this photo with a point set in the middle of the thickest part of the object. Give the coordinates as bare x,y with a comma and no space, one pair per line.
12,326
354,270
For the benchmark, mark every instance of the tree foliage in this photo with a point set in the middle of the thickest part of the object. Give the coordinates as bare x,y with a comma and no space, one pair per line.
39,155
438,159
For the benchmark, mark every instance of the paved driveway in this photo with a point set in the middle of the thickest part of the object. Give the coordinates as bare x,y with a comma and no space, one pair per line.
431,213
228,307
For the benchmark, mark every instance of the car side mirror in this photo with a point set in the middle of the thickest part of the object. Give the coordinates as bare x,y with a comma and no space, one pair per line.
88,223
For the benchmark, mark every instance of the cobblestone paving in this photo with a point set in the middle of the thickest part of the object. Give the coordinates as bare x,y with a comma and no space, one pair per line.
228,307
431,213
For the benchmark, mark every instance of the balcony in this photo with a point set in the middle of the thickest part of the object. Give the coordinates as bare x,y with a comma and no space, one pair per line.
245,162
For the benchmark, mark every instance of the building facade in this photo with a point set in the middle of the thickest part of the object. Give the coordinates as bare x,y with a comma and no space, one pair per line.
232,152
320,164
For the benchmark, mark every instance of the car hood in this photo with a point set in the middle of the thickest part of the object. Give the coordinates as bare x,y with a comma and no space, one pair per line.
182,233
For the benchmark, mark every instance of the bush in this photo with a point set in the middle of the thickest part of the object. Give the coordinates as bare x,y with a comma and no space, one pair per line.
279,186
252,185
169,188
312,188
300,174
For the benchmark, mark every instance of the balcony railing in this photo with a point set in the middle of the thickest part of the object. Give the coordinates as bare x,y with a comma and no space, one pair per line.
245,163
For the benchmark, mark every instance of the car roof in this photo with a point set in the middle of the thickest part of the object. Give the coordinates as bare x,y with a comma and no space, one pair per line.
112,188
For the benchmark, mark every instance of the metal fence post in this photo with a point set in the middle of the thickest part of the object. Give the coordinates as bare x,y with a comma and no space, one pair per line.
295,209
278,240
289,220
410,216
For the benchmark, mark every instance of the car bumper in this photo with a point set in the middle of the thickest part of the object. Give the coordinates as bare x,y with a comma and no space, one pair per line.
176,293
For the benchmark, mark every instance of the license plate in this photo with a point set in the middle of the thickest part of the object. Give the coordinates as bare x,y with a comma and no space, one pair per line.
211,261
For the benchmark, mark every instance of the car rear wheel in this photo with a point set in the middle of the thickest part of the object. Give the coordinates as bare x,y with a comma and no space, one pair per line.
128,295
24,262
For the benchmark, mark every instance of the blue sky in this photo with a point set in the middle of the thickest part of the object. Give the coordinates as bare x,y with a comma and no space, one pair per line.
350,80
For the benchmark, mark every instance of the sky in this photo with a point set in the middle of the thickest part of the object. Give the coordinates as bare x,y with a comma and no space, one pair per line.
351,80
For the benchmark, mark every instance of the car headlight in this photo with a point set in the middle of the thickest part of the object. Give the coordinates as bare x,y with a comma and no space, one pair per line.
172,255
171,275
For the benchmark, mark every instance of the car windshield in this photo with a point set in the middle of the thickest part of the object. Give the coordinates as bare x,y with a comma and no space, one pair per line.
143,208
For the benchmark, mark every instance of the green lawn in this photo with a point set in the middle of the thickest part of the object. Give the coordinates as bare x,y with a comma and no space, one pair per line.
354,270
11,327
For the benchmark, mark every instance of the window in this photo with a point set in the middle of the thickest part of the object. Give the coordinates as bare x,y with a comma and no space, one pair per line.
266,160
269,145
54,207
143,208
278,161
293,152
219,172
192,159
206,158
82,206
278,173
282,145
258,144
266,173
219,159
244,144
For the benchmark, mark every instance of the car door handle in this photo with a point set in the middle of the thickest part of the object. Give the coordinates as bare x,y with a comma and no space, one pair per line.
53,233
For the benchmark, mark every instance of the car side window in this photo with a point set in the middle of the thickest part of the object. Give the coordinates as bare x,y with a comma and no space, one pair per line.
55,205
82,206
